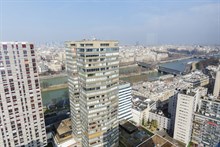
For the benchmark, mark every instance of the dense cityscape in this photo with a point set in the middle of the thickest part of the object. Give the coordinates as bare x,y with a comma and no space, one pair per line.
158,90
95,93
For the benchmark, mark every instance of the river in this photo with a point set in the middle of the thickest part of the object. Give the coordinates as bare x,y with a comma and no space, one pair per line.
54,96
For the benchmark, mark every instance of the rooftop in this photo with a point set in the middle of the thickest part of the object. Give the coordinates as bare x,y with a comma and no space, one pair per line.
133,138
195,77
187,92
179,65
140,103
64,126
161,139
160,112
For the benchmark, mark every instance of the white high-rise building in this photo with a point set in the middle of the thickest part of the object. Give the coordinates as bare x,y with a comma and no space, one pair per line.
217,84
93,71
124,103
21,109
185,108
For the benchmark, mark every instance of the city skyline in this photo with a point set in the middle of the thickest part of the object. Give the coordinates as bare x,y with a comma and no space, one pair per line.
146,22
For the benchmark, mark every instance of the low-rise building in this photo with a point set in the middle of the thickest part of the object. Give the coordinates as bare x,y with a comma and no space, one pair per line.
42,68
140,110
196,78
163,122
63,136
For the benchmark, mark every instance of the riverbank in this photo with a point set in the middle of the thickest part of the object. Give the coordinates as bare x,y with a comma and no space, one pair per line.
55,87
53,76
137,74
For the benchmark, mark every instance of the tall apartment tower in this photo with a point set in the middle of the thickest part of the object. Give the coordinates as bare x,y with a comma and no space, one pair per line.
124,102
21,110
217,84
93,70
186,105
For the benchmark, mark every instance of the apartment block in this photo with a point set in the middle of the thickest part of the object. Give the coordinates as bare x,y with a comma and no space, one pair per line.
124,104
93,69
184,115
21,109
217,84
163,121
141,107
206,123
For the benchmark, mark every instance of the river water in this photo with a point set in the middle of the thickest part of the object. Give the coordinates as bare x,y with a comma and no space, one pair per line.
62,94
54,96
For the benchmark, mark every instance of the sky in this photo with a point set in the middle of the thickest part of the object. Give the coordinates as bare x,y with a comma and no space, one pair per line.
148,22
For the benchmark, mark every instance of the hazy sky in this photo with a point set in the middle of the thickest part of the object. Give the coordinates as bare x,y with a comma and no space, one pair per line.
129,21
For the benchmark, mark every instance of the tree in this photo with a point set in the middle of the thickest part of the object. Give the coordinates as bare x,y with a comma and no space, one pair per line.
154,123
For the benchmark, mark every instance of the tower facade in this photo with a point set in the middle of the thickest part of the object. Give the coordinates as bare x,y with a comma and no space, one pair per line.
21,108
206,122
217,84
124,103
186,102
93,69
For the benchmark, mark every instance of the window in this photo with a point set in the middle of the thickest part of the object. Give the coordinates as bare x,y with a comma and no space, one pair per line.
31,46
23,45
4,46
104,44
90,44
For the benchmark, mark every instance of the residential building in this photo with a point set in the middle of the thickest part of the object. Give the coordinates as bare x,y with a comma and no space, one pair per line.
217,84
63,136
140,109
163,121
206,123
172,111
42,68
93,69
21,108
184,115
72,72
124,103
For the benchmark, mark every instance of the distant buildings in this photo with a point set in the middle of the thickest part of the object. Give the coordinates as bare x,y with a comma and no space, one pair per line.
42,68
21,108
93,70
124,101
196,78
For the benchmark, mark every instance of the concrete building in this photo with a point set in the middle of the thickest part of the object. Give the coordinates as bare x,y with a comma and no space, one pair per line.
93,70
196,78
63,136
163,122
184,115
124,103
42,68
206,123
21,108
140,109
172,111
217,84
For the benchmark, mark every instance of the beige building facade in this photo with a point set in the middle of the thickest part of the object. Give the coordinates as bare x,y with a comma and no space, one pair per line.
93,70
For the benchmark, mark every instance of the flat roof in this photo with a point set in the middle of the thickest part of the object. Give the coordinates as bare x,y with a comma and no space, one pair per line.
179,65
